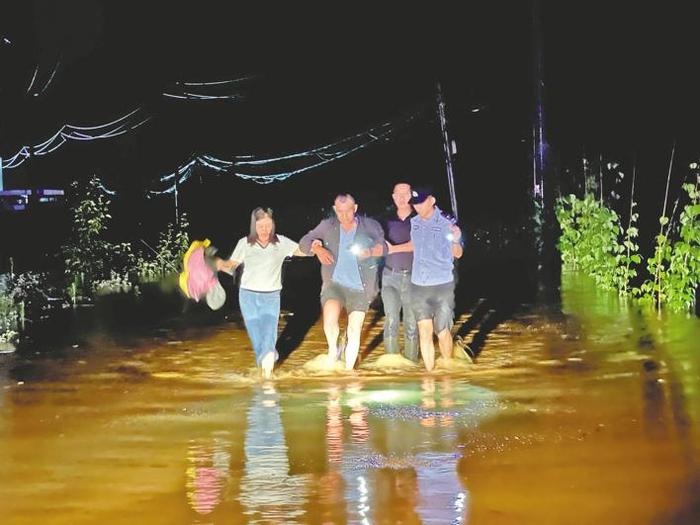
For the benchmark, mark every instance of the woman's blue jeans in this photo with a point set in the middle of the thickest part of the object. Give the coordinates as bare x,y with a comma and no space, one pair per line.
261,314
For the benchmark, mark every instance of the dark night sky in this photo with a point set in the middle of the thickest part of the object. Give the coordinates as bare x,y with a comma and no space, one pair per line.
619,79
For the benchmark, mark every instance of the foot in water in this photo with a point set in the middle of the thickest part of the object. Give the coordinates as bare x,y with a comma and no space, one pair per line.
351,357
267,364
334,355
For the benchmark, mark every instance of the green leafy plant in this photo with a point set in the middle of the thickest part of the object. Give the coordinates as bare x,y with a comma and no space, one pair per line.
653,290
568,212
684,264
589,240
592,238
89,257
674,269
166,257
9,318
21,297
627,255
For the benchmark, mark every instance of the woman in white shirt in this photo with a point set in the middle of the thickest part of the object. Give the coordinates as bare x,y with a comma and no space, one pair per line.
262,254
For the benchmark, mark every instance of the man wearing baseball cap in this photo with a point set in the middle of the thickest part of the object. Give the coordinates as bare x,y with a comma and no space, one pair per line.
436,242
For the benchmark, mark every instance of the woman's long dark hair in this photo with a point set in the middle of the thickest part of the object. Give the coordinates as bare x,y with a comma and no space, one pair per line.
261,213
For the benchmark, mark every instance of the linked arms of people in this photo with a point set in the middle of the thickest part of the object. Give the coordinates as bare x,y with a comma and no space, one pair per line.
455,238
375,251
379,249
399,248
324,255
299,253
312,244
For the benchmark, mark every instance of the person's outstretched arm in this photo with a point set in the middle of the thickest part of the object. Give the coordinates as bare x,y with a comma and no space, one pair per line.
314,244
236,259
399,248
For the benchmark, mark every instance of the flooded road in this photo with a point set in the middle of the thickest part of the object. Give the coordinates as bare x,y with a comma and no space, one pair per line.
587,413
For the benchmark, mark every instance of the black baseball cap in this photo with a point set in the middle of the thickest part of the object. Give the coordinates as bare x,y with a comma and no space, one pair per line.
419,194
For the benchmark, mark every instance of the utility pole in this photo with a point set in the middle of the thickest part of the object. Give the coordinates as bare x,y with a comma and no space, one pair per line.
542,169
539,144
447,146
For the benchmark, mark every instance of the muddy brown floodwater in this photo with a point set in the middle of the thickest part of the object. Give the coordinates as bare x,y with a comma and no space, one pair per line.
584,412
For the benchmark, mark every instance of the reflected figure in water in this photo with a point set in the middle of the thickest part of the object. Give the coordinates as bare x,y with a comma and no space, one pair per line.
396,495
334,427
340,455
405,467
261,254
359,425
269,494
442,499
207,474
439,486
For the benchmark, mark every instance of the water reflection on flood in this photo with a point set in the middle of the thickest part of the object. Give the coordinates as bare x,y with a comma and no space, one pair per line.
589,416
342,455
207,473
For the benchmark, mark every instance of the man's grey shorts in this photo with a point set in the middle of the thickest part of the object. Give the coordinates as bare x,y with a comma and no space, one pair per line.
352,300
434,302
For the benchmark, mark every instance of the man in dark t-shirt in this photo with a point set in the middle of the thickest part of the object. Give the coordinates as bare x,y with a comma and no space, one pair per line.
396,277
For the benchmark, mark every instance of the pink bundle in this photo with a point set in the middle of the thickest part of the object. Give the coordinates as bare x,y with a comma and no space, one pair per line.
198,278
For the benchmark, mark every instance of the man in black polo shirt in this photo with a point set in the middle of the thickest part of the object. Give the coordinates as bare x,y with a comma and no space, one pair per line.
396,277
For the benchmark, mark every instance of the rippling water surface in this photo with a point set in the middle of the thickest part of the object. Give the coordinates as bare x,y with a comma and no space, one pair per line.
583,413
